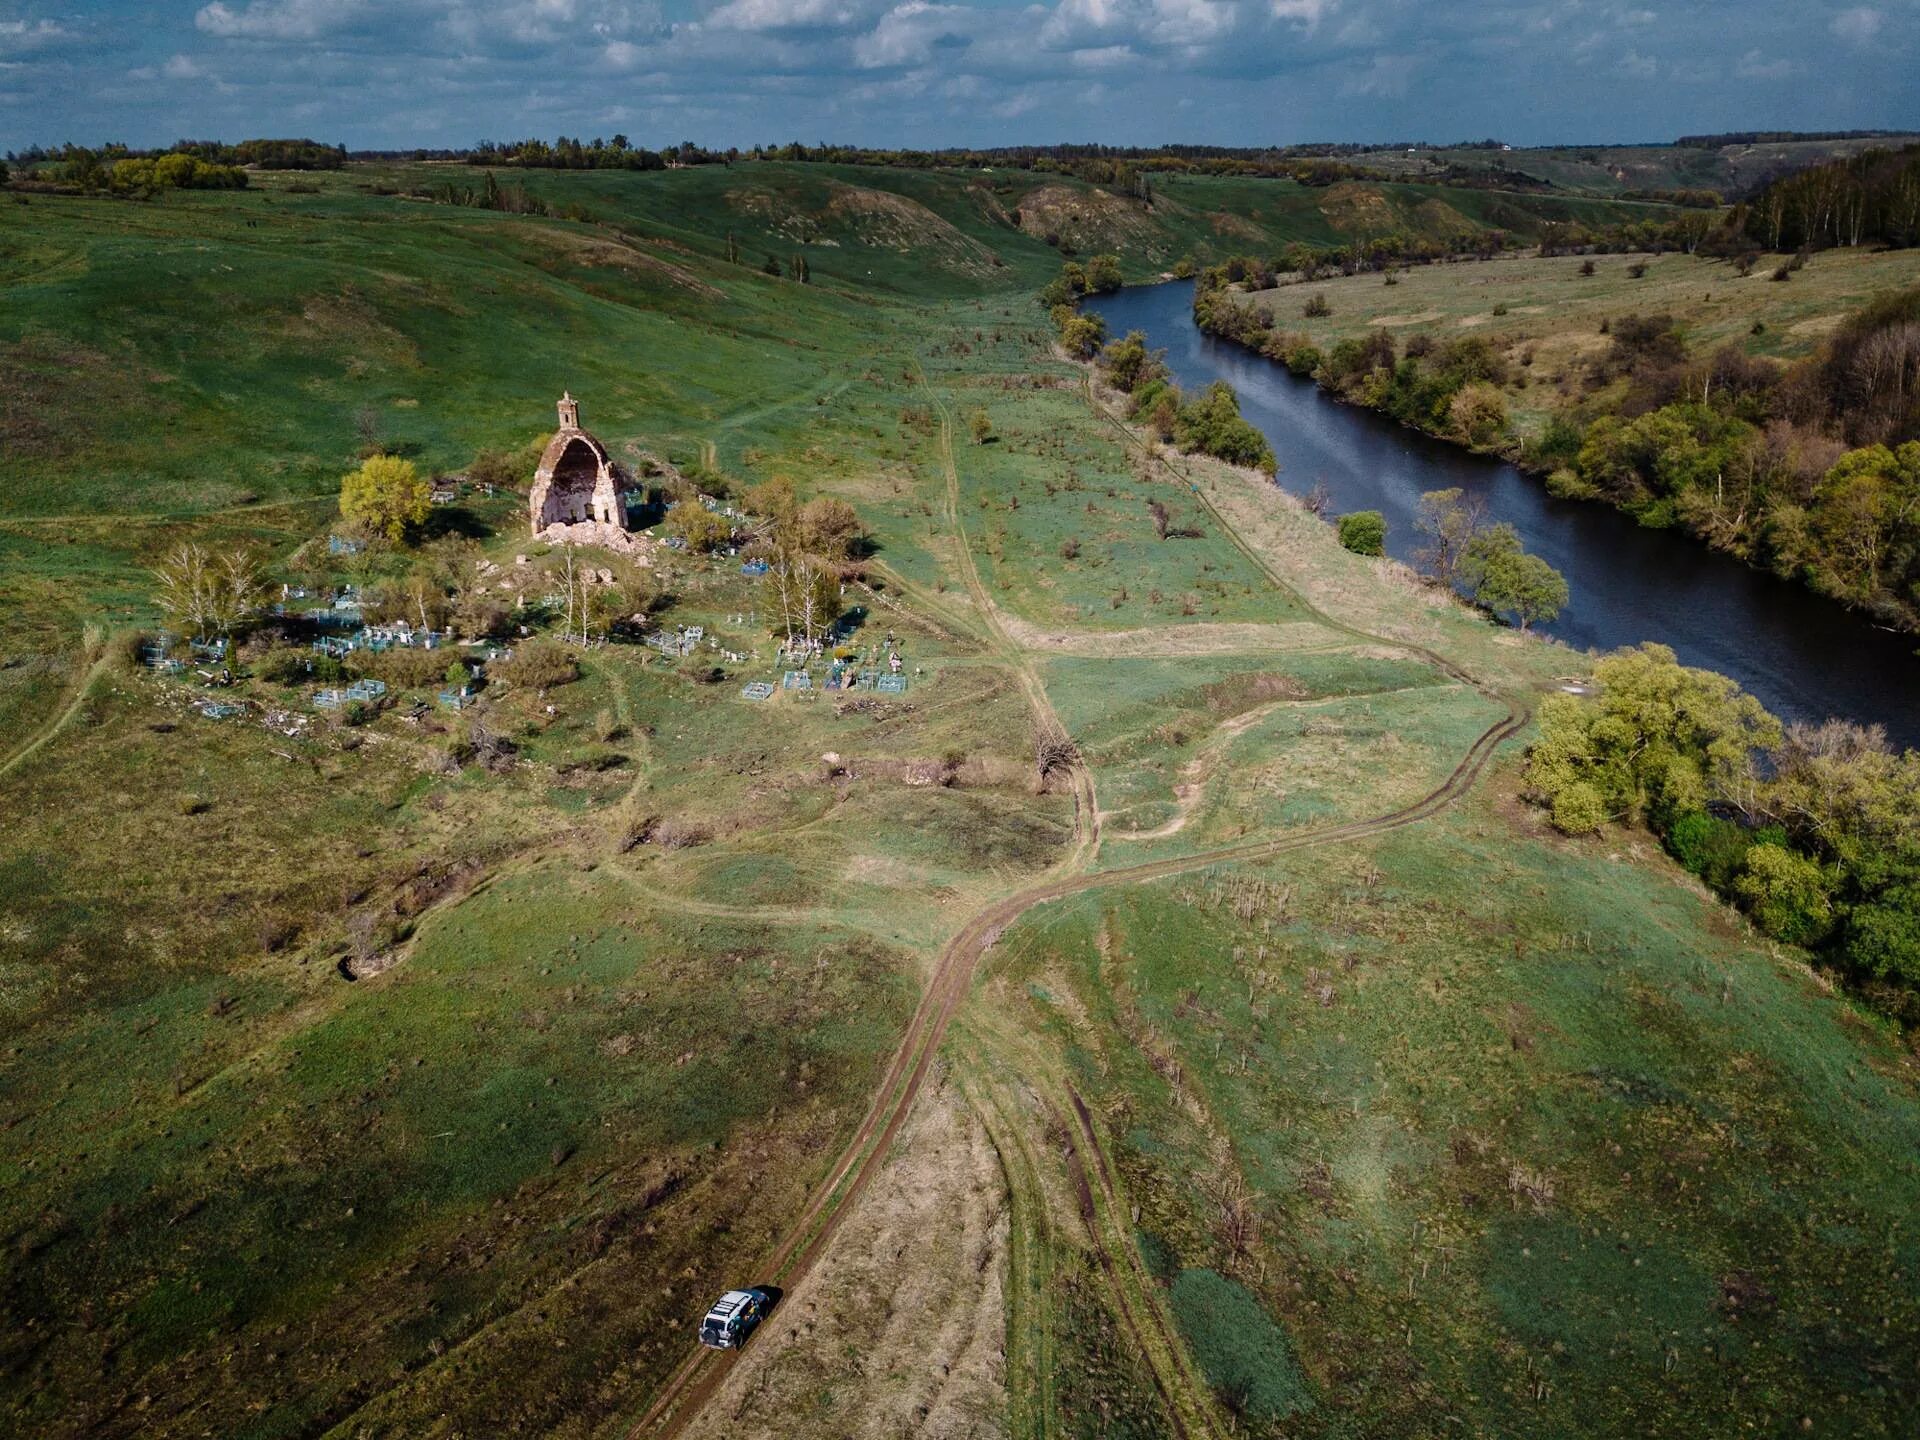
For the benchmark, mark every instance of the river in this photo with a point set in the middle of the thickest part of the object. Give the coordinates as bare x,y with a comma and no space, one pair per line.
1805,657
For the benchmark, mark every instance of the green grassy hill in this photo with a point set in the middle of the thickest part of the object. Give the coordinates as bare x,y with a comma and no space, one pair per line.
429,1076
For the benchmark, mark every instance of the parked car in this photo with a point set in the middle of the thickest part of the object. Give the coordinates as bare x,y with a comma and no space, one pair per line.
733,1318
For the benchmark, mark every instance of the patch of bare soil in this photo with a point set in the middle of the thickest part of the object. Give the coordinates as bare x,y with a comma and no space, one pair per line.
622,254
1086,219
899,1329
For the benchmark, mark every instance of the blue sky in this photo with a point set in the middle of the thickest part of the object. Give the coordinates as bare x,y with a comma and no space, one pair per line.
388,73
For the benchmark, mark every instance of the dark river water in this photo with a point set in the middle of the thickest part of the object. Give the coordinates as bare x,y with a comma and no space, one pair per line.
1803,656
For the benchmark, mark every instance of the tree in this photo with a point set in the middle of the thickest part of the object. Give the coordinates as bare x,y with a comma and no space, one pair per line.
802,598
1212,424
981,425
1523,586
1102,275
1129,364
1449,519
1477,415
1660,739
1082,335
1364,532
1786,893
772,267
386,494
210,594
773,500
829,527
698,526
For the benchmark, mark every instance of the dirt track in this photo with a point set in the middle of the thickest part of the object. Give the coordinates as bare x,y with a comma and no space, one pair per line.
694,1382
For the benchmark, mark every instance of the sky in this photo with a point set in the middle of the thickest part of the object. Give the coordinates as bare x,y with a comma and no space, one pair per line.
375,74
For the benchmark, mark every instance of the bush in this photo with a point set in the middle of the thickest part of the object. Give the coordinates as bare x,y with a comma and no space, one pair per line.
540,665
1786,894
1579,809
698,526
1707,846
1316,308
1364,532
284,665
403,669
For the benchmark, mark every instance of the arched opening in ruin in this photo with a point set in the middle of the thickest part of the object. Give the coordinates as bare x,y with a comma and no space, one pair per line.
570,497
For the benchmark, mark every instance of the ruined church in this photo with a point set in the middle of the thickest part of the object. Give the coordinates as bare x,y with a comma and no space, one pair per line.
577,490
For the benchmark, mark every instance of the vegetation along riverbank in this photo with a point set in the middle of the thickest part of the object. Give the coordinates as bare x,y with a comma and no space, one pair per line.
1766,403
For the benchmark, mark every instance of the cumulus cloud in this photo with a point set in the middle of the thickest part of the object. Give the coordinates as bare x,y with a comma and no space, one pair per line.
21,37
382,72
279,19
788,15
1859,25
1755,66
909,34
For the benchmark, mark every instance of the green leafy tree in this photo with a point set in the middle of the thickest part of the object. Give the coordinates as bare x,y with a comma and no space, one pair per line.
698,526
1129,364
1525,587
1364,532
1212,425
981,426
1786,894
386,494
1102,275
1659,740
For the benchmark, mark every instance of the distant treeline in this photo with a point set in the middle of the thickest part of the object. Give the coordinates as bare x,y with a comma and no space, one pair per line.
262,154
136,174
567,153
1872,198
1782,137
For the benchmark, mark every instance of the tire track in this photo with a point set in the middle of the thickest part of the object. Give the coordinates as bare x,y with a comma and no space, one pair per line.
694,1382
690,1386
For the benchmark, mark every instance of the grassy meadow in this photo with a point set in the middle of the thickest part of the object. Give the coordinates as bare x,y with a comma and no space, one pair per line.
352,1087
1549,319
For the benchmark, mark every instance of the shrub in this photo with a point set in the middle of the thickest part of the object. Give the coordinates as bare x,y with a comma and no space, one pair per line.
1316,308
1587,267
1712,848
284,665
403,669
1786,894
698,526
1579,809
540,665
1364,532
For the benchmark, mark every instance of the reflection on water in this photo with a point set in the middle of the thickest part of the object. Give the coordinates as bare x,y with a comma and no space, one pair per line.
1805,657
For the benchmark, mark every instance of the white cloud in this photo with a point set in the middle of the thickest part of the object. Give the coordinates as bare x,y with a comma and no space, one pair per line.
909,33
787,15
1857,26
277,19
1302,12
17,37
1640,67
1755,66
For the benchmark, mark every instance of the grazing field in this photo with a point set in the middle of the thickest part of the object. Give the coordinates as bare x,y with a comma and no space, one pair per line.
1162,1017
1549,319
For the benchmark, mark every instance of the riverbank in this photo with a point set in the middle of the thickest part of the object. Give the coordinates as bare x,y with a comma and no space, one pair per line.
1803,656
1689,393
